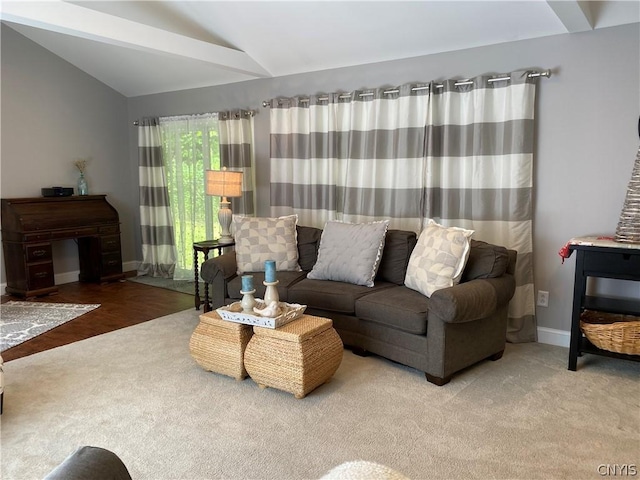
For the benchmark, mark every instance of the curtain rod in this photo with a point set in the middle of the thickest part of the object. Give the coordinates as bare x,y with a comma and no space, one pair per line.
251,113
545,73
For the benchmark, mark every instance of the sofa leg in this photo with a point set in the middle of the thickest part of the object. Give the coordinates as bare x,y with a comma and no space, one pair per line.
439,381
497,356
361,352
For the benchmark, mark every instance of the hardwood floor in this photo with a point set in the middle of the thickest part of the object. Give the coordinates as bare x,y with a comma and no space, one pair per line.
123,304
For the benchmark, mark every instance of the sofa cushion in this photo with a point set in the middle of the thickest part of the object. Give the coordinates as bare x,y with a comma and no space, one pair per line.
308,243
285,280
350,252
485,261
261,239
438,259
330,296
398,245
398,307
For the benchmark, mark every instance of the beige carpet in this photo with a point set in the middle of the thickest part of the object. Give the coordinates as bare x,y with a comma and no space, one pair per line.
138,393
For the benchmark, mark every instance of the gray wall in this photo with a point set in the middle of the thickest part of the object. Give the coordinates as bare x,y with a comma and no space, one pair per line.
53,113
587,115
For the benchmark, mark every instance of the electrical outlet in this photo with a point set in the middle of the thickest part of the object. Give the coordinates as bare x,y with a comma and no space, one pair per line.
543,298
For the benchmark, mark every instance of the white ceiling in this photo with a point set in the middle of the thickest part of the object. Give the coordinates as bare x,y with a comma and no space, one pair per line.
146,47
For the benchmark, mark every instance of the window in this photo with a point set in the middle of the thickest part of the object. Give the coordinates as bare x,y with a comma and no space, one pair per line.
190,146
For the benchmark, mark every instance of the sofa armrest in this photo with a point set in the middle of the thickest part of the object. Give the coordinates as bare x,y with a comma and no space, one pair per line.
217,272
472,300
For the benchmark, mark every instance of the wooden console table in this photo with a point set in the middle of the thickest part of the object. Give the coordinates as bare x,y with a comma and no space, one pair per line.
607,259
30,225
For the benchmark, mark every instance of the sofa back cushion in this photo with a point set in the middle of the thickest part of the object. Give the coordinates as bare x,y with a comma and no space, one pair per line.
395,257
308,243
485,261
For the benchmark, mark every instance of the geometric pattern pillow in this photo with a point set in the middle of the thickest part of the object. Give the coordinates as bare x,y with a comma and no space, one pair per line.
261,239
350,252
438,259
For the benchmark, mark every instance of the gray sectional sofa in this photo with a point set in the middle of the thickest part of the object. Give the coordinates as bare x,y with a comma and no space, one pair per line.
456,327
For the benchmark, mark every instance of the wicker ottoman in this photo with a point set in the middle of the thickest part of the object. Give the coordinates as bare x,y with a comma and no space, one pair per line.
297,357
218,346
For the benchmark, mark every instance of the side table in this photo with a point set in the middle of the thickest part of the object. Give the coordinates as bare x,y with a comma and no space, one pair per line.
205,247
598,257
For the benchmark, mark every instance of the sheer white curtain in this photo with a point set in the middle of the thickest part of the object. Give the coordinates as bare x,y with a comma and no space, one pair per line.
190,146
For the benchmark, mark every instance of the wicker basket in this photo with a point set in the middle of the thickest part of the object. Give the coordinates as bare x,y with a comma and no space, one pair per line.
613,332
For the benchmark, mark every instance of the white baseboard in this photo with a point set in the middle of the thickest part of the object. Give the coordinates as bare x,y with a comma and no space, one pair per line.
66,277
132,265
551,336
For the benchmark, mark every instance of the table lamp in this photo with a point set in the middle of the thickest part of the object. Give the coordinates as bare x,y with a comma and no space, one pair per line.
224,183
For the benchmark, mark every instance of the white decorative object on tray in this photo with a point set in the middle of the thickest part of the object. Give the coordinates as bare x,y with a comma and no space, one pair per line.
234,313
271,310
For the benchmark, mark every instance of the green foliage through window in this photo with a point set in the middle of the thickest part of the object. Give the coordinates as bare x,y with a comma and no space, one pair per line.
190,147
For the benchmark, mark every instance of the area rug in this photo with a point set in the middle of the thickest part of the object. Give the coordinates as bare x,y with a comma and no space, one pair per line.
21,321
138,392
182,286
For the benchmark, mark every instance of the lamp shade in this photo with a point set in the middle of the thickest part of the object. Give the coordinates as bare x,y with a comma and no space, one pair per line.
224,183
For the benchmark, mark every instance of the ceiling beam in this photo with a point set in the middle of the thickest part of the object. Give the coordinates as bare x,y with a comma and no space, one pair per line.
70,19
575,15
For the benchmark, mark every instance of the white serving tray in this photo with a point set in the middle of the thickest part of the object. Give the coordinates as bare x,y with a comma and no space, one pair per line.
234,313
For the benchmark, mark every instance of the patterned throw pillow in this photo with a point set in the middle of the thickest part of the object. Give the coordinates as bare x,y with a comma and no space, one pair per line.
438,259
260,239
350,252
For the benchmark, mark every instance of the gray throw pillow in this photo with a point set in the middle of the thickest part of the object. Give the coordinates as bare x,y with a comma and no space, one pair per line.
350,252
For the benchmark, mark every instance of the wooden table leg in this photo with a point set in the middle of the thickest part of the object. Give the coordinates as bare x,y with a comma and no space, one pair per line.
195,274
579,288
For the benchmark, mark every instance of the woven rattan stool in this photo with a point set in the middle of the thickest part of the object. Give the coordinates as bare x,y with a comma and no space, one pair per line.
218,346
297,357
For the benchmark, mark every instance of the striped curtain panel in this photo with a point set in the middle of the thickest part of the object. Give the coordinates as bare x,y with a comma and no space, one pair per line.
353,157
305,157
384,171
460,154
158,250
236,153
480,173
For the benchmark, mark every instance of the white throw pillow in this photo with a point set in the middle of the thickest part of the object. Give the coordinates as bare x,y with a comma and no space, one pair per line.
350,252
261,239
438,259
